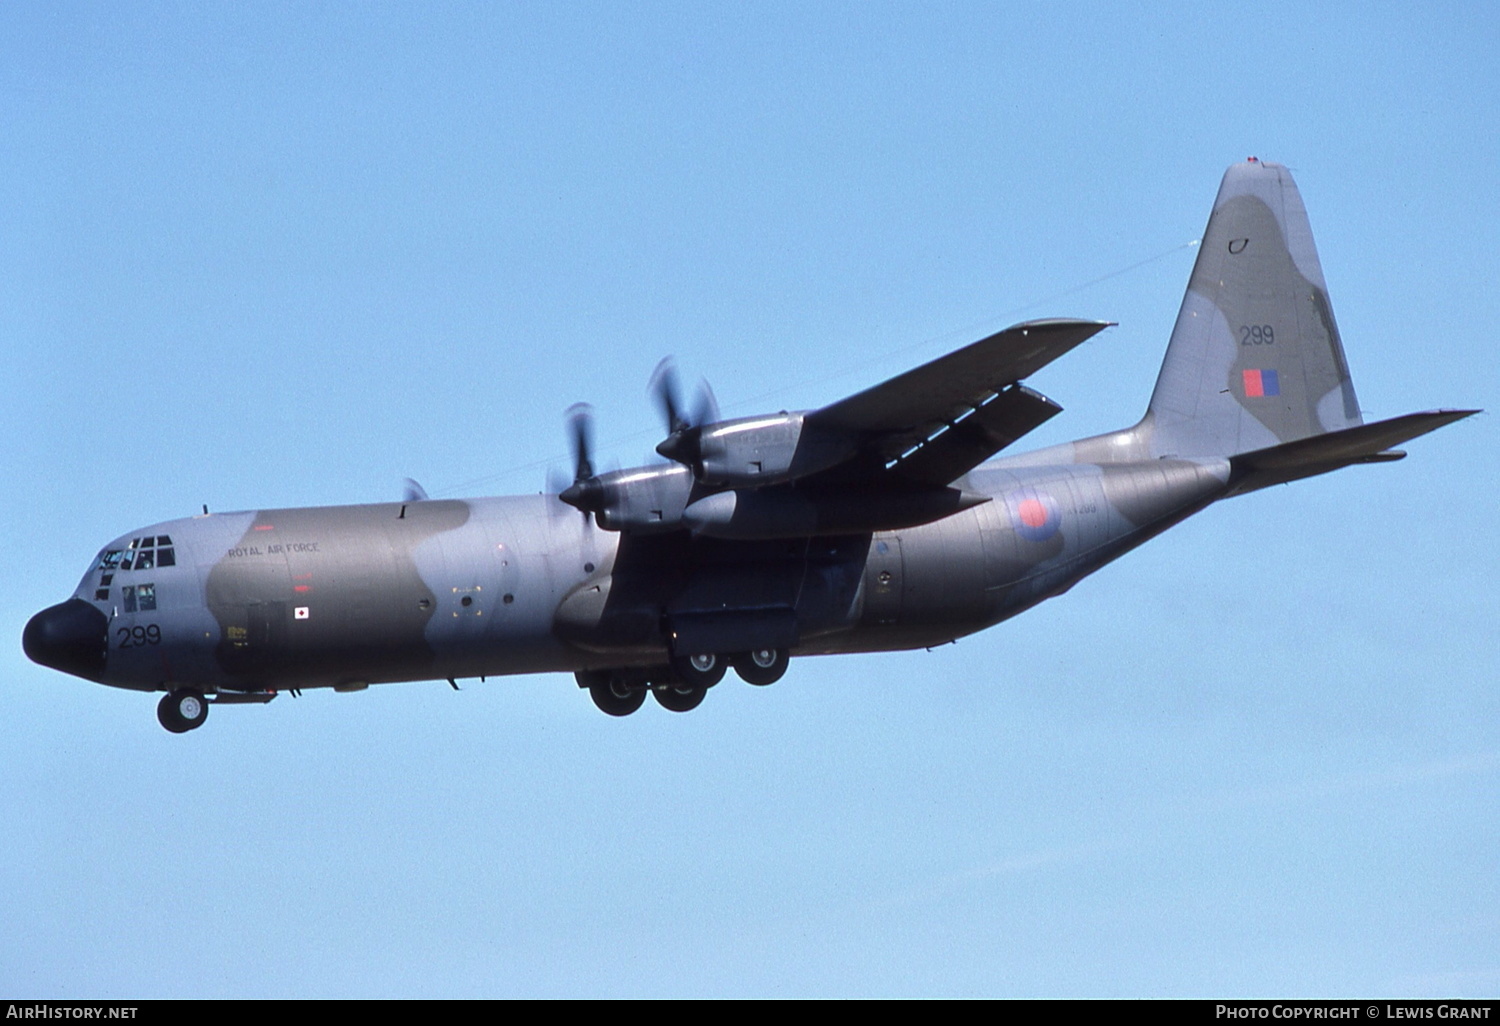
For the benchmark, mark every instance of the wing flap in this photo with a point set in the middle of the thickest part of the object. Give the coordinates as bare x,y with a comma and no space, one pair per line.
958,447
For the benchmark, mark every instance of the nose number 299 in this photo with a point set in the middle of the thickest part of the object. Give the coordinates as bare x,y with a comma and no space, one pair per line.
136,637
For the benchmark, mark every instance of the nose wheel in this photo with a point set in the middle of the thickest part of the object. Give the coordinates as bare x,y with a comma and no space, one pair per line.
182,710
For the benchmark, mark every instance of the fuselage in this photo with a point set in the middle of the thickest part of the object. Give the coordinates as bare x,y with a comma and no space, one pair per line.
346,596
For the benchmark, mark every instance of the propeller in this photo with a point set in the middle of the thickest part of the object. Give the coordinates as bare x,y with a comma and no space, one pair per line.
585,493
663,385
684,431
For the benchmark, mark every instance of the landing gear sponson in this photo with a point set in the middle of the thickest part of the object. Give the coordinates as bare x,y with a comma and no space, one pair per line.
682,684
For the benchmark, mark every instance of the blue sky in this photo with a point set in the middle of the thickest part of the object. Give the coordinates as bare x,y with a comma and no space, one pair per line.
277,255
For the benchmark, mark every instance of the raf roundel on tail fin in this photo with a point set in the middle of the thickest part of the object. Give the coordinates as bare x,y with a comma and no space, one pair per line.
1255,358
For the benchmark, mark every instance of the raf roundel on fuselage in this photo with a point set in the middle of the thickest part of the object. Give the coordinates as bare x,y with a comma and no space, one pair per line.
1034,514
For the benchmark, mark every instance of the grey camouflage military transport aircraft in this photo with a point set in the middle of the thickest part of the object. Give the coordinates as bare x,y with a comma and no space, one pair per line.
872,524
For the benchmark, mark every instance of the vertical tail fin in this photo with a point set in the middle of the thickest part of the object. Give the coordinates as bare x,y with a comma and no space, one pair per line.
1255,358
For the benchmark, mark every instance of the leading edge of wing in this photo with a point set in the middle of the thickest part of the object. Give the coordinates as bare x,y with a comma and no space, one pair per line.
940,390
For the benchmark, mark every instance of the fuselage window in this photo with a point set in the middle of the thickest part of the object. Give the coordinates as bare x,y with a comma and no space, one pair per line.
127,598
146,597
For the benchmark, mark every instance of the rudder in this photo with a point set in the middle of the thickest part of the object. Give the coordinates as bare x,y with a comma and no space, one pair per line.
1255,358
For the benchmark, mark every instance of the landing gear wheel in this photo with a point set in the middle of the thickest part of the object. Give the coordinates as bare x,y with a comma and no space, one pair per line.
702,670
762,666
678,697
182,710
615,697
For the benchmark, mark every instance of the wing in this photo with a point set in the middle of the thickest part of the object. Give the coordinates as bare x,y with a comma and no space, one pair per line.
936,422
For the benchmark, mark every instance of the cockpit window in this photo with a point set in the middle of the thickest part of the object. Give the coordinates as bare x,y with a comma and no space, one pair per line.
142,554
127,598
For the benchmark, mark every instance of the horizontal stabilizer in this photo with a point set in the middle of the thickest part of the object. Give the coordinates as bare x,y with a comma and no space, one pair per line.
1307,457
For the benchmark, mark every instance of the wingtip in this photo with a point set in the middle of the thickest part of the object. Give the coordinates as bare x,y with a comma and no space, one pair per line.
1060,322
1449,416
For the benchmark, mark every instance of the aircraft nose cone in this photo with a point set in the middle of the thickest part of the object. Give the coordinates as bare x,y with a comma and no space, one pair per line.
72,636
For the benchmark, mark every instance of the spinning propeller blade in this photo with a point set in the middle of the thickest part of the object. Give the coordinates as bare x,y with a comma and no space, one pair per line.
683,432
585,493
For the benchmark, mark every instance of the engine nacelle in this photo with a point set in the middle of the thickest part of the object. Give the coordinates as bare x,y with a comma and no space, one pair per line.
755,452
641,500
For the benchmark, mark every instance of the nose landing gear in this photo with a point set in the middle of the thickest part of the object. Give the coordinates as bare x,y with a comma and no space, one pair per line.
182,710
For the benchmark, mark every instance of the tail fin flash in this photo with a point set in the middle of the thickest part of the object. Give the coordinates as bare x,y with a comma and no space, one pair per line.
1255,358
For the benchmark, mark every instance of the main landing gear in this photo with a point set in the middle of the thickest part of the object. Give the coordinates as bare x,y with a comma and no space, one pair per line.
182,710
613,693
678,697
763,666
682,685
